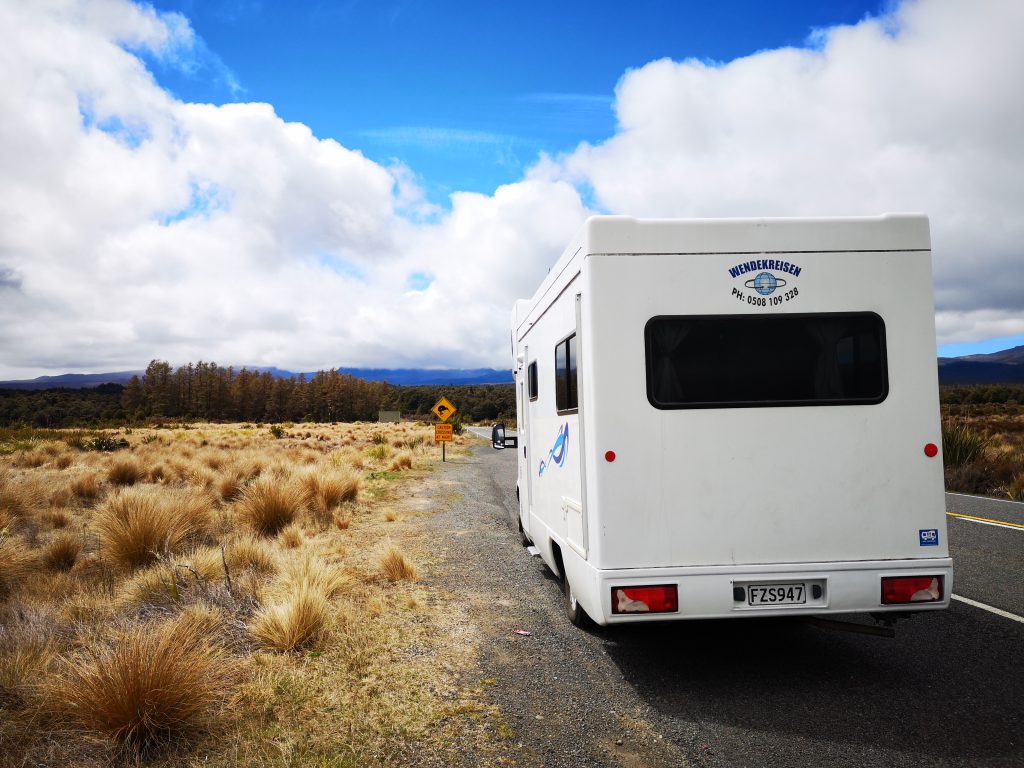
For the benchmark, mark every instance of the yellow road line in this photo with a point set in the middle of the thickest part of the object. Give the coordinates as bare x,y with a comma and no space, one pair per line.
986,520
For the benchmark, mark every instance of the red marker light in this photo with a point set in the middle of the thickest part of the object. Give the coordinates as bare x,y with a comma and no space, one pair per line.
609,456
931,450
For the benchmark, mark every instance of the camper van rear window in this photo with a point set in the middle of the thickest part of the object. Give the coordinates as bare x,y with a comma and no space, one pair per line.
566,390
737,361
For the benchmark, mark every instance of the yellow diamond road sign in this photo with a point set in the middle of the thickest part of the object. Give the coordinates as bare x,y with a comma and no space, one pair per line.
443,409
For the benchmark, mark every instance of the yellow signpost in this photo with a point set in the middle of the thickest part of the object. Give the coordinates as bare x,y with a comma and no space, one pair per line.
443,433
443,409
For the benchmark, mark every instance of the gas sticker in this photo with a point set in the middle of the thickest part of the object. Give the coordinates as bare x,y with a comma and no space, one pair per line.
929,537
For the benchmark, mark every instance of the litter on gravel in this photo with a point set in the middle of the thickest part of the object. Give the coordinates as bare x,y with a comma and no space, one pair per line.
522,632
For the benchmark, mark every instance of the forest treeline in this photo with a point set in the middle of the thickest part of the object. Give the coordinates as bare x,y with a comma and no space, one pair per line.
209,392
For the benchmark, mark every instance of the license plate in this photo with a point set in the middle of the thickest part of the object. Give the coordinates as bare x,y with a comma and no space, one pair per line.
776,594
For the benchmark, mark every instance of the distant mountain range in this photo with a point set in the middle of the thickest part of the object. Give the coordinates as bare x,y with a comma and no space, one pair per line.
398,376
1005,367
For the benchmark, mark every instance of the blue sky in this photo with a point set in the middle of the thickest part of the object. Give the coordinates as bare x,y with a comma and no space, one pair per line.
466,94
373,184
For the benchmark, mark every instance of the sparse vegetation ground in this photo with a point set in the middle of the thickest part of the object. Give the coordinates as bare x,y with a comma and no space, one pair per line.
225,595
983,448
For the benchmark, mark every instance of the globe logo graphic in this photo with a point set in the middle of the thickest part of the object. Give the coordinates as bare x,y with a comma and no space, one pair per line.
765,283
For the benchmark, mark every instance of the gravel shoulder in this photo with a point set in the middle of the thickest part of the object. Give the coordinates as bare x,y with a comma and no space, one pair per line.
564,701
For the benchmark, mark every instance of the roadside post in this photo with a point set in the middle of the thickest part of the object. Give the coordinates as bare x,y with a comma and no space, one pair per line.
443,432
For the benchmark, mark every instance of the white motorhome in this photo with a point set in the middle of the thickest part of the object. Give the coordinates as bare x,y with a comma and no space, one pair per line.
726,418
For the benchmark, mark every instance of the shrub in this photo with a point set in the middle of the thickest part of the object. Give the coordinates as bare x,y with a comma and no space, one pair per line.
155,684
960,444
137,525
125,472
396,566
277,431
268,506
105,443
299,622
62,553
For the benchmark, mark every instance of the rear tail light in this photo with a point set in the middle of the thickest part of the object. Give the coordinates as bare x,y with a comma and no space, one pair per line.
911,589
662,598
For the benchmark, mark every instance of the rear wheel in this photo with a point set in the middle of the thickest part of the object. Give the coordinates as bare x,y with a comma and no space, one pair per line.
573,609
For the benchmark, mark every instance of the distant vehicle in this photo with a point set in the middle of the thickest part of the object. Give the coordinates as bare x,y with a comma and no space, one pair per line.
734,418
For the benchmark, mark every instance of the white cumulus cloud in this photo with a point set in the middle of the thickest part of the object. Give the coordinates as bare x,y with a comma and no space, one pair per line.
134,225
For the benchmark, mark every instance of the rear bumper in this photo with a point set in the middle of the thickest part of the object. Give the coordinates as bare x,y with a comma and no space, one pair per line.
709,592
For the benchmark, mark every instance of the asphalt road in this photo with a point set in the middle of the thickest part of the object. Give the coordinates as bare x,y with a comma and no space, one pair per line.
947,691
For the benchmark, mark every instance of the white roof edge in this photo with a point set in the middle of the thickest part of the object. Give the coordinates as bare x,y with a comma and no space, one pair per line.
887,232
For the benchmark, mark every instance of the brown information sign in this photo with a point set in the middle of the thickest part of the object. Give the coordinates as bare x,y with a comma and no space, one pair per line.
442,433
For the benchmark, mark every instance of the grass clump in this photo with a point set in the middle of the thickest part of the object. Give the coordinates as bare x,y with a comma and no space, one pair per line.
86,487
125,472
961,445
327,489
16,563
267,505
138,525
63,552
301,621
396,566
156,684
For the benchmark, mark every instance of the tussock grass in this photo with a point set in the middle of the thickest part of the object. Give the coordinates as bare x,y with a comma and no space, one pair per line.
58,518
401,461
16,563
137,525
291,537
62,553
86,486
156,684
299,622
327,489
125,471
961,445
21,497
314,573
267,506
395,566
248,552
379,452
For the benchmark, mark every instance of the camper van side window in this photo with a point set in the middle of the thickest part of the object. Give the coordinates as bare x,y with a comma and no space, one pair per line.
744,361
566,387
531,380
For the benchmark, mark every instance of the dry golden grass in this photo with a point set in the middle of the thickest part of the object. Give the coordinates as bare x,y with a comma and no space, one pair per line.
86,486
291,537
267,506
58,518
16,563
141,559
396,566
21,497
157,683
299,621
62,553
125,471
401,461
137,525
